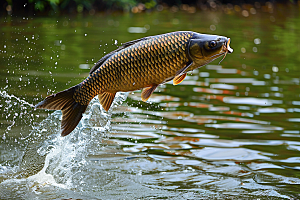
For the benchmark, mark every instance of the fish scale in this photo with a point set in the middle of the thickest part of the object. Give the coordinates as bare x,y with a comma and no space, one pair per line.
140,64
138,61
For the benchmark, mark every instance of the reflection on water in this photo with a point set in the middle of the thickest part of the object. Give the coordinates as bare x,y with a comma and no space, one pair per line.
228,130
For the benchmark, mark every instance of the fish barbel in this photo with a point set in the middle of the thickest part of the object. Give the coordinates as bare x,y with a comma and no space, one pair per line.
139,64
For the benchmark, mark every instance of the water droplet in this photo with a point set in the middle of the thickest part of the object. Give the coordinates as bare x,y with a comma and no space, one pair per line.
243,50
267,76
275,69
257,41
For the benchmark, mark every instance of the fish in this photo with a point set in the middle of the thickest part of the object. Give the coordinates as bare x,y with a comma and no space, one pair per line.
144,64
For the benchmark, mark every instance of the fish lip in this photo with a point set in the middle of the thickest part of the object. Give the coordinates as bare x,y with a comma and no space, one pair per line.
228,48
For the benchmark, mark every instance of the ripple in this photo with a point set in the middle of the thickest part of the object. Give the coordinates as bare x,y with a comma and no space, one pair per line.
236,154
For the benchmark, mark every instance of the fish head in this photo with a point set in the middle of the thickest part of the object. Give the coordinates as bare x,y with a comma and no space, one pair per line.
204,48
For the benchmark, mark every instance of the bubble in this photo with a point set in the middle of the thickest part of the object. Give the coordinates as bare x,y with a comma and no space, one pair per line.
85,34
254,49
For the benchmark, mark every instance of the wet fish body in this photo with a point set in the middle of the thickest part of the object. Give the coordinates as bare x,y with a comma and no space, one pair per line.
140,64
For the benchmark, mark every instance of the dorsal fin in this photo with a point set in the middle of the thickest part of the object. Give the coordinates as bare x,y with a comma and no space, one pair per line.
125,45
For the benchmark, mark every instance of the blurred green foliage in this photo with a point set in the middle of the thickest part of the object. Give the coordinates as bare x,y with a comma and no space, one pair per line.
40,4
122,3
56,5
135,6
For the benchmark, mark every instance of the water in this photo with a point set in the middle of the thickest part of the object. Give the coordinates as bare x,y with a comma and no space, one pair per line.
229,130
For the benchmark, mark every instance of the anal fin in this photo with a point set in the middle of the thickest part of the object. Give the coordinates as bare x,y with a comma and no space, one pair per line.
106,99
179,79
146,93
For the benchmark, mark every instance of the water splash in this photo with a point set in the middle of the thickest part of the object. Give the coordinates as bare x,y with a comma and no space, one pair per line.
63,153
4,94
50,159
14,109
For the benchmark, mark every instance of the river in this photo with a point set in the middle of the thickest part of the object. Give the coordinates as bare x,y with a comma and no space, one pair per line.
229,130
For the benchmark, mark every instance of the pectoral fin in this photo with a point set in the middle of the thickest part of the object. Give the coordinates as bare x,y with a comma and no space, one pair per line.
146,93
106,98
179,79
182,70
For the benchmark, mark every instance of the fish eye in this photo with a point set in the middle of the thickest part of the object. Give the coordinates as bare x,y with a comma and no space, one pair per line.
212,43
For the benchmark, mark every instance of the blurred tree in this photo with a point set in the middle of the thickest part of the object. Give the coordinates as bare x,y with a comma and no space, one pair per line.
57,5
40,4
73,6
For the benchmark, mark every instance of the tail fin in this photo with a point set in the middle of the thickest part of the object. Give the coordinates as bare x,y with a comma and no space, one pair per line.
71,110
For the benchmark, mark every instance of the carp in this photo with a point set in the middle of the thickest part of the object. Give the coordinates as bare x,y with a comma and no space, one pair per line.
139,64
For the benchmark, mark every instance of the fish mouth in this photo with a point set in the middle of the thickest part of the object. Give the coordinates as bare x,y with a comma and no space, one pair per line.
226,49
